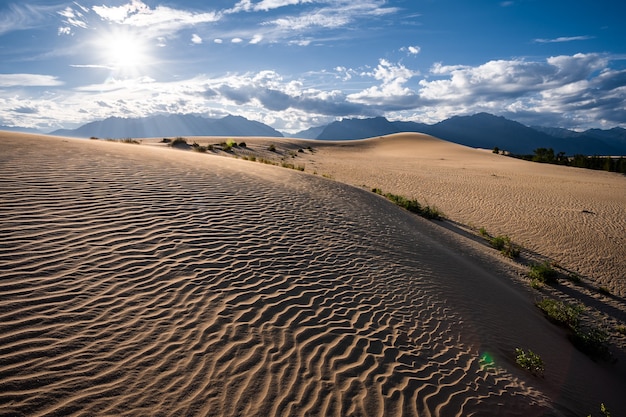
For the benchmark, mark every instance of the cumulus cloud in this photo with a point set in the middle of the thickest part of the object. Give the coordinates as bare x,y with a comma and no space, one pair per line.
392,90
414,50
195,39
577,87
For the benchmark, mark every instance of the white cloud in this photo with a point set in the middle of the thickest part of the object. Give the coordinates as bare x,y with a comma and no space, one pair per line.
565,88
218,40
318,19
196,39
236,40
411,50
24,16
160,21
72,18
564,39
256,39
392,90
334,14
28,80
266,5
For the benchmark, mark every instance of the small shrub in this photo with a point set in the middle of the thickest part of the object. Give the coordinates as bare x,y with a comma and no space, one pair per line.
483,232
243,145
166,140
271,148
591,341
604,291
179,142
431,213
620,329
529,361
228,145
292,166
536,284
130,141
561,313
504,245
543,272
94,138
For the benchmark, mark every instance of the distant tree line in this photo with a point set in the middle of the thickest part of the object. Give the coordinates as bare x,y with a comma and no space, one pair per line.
547,156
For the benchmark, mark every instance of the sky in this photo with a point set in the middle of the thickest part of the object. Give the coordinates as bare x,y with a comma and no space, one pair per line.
296,64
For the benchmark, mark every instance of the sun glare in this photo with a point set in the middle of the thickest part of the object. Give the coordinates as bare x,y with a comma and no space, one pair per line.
124,52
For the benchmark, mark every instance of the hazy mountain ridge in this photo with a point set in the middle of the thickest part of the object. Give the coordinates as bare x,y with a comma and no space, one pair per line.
170,125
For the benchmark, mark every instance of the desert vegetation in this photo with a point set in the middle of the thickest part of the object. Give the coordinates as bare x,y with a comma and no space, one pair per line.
529,361
589,339
543,273
502,243
412,205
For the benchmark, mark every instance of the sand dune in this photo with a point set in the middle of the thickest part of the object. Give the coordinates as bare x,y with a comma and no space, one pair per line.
574,216
138,280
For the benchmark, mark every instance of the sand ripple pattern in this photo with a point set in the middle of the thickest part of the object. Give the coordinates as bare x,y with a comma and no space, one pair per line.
201,288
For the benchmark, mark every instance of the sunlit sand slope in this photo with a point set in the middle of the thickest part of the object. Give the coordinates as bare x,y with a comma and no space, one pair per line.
575,216
143,281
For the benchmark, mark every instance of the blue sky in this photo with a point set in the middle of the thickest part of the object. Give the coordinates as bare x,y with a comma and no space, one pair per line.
294,64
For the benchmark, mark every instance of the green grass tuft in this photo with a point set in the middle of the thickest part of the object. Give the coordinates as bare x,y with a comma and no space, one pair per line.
412,205
529,361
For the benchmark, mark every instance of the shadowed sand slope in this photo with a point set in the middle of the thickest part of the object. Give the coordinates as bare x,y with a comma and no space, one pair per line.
145,281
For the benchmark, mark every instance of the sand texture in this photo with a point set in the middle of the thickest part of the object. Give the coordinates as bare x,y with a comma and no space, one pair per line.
138,280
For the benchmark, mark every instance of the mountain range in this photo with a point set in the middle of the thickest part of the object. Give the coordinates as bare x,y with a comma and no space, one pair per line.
482,130
170,125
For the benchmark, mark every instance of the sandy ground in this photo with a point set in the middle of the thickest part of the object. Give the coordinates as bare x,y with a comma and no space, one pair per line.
141,280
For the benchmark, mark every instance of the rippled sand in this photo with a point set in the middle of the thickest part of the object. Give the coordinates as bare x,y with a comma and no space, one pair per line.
139,280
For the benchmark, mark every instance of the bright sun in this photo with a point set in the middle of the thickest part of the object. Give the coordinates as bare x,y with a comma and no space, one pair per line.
124,52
